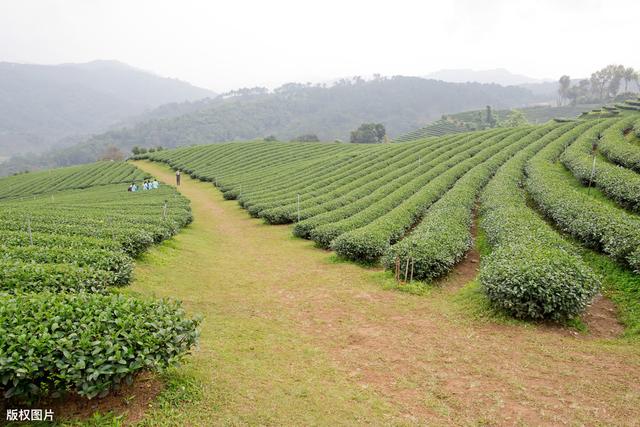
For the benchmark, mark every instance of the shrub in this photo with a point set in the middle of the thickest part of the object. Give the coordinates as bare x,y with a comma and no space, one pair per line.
86,343
538,282
18,276
524,285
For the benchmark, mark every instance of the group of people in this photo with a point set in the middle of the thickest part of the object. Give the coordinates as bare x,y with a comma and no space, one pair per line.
147,185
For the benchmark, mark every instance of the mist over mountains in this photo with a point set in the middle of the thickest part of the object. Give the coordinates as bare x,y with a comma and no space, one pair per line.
329,111
42,106
499,76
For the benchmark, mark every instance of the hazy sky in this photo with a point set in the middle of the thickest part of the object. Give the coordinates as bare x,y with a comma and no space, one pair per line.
223,45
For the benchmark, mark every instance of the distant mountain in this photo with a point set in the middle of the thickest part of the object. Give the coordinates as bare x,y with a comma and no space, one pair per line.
499,76
331,112
42,104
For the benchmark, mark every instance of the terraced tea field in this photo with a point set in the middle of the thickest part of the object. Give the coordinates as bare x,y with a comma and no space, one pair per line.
68,239
478,228
411,206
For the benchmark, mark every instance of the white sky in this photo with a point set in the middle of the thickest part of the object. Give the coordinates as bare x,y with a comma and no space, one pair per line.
223,45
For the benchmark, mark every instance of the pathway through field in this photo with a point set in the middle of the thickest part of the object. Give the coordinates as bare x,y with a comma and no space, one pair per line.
292,337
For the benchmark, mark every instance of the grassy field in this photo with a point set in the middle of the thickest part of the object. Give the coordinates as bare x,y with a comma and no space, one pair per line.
291,336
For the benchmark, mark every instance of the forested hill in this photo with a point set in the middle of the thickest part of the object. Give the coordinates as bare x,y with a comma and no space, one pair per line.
42,104
331,112
400,103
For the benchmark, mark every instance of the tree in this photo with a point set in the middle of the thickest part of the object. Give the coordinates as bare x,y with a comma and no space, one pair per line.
369,133
309,137
270,138
616,74
628,75
111,153
514,119
489,119
563,88
598,82
135,150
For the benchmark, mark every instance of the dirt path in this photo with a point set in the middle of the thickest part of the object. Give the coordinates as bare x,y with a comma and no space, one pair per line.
292,337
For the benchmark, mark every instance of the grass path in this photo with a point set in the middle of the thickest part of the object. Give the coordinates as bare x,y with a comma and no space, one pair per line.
292,337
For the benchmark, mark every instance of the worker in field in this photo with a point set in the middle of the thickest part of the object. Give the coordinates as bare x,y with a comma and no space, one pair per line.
155,184
178,177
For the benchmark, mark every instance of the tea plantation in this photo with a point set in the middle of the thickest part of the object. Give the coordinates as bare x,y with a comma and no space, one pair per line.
410,206
68,239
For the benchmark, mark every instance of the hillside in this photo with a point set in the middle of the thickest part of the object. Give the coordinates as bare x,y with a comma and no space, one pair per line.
41,105
472,228
474,120
397,204
400,103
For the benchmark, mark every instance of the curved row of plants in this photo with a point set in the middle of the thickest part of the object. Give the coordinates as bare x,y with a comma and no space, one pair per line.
443,236
618,183
65,326
621,143
368,242
83,176
531,272
318,221
361,181
594,222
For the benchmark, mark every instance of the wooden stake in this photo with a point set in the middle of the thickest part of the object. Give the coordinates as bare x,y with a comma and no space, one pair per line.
413,262
29,229
397,269
406,270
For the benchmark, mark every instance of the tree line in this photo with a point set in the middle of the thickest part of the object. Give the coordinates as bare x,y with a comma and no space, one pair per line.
610,83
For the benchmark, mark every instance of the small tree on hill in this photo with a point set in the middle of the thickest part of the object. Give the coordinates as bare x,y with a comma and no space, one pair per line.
270,138
369,133
563,88
489,119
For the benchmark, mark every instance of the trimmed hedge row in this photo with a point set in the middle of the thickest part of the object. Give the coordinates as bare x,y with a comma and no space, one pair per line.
86,343
620,184
531,272
284,209
443,236
369,242
325,227
25,276
617,149
62,330
117,265
593,222
74,177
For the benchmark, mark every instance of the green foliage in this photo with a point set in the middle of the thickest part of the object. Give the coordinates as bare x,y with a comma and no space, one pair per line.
368,133
443,236
620,184
84,176
595,223
414,201
536,282
86,343
514,119
401,103
370,241
62,329
520,274
620,148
